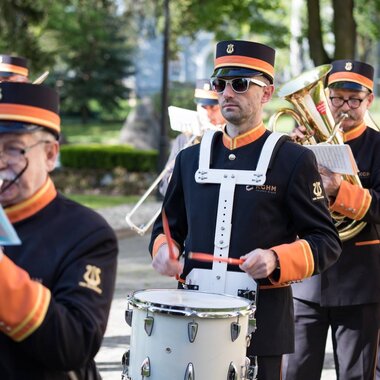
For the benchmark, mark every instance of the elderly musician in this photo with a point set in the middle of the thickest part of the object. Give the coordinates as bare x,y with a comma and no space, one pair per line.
346,297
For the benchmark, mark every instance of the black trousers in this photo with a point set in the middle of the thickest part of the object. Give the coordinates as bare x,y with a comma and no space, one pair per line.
269,367
354,336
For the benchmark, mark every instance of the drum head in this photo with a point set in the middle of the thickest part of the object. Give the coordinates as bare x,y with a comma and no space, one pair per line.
189,302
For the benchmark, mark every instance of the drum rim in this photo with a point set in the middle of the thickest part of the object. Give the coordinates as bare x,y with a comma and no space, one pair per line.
201,312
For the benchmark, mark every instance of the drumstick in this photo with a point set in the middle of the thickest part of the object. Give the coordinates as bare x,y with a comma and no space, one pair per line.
168,235
209,258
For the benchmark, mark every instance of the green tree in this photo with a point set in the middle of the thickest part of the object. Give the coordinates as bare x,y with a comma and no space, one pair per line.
93,57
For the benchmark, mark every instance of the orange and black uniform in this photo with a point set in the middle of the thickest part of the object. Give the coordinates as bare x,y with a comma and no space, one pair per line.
55,288
288,214
347,295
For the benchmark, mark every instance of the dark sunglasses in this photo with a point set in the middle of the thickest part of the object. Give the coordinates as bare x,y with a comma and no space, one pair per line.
239,85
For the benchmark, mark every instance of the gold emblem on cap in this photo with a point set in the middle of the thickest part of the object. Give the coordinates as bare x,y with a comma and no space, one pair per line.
230,48
348,66
92,278
1,95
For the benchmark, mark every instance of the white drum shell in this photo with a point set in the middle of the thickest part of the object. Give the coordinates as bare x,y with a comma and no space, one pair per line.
168,347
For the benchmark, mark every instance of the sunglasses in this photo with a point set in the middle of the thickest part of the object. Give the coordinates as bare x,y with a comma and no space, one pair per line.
239,85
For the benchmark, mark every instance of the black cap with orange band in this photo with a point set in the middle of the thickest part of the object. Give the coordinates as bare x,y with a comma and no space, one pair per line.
10,65
237,58
204,94
26,107
351,75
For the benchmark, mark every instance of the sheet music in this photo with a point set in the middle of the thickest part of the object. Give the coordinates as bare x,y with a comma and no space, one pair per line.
8,235
184,120
336,157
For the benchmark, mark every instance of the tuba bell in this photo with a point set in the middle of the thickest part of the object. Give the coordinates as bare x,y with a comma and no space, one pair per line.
310,108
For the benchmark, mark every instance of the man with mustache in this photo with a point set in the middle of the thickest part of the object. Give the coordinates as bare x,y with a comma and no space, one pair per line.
56,287
247,193
346,297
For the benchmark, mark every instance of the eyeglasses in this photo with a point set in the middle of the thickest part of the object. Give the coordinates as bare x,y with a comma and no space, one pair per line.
239,85
12,152
353,103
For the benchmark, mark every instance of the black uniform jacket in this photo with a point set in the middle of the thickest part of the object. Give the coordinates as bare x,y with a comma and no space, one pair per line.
55,288
354,279
290,205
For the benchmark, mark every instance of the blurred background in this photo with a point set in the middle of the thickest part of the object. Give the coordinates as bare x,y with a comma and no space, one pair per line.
118,65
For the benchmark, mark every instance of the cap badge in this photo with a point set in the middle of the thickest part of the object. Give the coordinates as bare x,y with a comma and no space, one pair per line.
230,48
348,66
1,95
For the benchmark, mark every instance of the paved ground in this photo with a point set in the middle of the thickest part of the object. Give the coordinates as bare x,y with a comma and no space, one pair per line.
135,273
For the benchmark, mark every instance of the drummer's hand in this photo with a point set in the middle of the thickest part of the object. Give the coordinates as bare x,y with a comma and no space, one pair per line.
259,263
298,134
164,265
331,181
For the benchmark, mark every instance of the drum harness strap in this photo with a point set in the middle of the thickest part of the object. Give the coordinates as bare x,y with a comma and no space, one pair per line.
220,280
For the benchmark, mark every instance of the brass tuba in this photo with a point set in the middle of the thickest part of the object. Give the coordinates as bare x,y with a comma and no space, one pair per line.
307,95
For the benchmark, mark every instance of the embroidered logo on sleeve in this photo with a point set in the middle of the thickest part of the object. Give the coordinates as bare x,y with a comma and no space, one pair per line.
317,191
92,279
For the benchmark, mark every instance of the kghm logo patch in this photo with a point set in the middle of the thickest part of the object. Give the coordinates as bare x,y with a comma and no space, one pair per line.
230,48
317,191
92,279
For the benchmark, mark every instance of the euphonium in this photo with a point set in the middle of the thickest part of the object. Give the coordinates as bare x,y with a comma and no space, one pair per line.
307,95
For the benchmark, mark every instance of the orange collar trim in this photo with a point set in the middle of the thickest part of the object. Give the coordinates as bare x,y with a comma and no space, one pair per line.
354,133
244,139
34,204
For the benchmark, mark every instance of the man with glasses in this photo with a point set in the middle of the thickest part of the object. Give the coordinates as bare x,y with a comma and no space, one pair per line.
346,297
56,287
248,194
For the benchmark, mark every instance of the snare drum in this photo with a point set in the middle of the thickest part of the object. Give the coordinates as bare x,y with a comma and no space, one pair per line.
184,334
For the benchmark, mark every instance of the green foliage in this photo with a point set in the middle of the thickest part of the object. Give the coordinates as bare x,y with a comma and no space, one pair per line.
100,201
108,157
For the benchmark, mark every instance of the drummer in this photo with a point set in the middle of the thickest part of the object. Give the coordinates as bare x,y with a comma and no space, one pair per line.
228,199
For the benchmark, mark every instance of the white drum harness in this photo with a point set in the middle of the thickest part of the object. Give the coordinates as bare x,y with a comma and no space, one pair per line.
218,279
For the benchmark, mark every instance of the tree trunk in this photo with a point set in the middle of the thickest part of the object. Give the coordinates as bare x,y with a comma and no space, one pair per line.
317,52
344,27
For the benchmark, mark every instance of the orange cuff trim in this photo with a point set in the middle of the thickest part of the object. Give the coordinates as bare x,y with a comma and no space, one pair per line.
29,114
351,77
352,201
14,69
242,61
368,242
23,302
158,242
296,261
204,94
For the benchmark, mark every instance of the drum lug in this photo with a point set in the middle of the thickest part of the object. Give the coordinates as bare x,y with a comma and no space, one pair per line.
145,368
148,325
125,365
251,368
235,330
189,374
192,329
232,372
128,316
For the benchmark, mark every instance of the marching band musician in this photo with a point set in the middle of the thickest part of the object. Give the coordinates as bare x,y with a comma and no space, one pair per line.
346,297
13,69
56,287
208,112
247,193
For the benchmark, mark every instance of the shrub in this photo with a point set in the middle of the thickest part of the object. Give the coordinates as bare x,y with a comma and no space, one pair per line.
108,157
